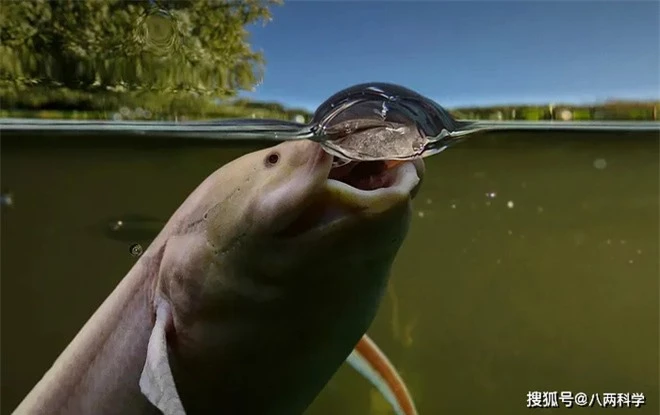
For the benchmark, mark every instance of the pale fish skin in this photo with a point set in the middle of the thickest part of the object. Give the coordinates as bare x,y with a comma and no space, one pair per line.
251,297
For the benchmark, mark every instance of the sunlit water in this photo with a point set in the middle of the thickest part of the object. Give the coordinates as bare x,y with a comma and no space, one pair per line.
531,262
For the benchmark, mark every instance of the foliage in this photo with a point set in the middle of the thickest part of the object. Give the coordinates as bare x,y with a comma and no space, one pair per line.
199,46
612,110
582,115
52,103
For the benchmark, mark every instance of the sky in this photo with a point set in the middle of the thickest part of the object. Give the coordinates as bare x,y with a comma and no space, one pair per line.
462,53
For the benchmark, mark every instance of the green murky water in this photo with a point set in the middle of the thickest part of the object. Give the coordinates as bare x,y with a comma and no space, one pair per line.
532,264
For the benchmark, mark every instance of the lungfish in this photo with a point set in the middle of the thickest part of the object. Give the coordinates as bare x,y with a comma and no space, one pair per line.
254,293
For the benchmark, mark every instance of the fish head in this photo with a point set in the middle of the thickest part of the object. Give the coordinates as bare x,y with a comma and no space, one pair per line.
274,268
284,220
299,216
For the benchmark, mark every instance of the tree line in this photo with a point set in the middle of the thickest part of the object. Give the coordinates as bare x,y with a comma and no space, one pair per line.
90,56
610,110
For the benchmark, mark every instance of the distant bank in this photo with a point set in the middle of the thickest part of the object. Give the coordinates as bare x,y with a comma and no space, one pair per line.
607,111
69,104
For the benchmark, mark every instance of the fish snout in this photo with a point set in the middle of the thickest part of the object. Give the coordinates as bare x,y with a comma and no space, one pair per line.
304,157
319,159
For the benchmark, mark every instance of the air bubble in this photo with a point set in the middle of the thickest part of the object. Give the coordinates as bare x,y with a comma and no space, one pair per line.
136,250
600,164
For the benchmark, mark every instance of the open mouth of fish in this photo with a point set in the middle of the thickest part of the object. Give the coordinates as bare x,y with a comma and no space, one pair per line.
359,189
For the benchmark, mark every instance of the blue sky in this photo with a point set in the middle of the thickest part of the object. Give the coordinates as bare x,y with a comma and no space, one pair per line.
463,52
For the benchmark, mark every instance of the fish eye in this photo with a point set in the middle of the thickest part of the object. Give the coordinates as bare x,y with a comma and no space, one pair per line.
272,159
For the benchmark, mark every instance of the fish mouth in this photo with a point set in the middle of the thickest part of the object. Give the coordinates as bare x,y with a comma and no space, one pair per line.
358,190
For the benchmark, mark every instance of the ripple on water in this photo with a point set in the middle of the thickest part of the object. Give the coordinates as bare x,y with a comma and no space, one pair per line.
157,32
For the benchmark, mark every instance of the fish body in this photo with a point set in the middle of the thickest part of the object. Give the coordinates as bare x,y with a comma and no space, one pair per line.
250,298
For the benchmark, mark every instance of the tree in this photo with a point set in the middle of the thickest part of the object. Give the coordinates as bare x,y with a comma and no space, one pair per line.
200,46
